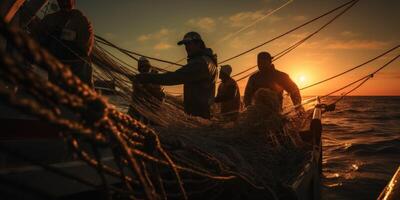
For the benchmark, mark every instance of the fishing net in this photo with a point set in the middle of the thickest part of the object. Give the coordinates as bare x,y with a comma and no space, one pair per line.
178,156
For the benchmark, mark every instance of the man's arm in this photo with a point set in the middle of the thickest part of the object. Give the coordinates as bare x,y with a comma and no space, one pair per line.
189,73
85,36
291,87
249,92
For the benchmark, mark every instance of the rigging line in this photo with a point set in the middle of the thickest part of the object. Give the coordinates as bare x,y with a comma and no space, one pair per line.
288,32
365,77
121,62
355,88
106,42
243,28
351,69
283,53
291,48
254,22
345,72
130,70
363,80
126,52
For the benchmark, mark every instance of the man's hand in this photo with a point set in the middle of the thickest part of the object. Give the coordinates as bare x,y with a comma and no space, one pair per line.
300,110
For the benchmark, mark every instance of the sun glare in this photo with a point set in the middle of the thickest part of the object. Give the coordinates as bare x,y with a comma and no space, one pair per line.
301,80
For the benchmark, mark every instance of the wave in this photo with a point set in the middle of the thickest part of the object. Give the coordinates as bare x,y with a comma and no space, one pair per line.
387,147
351,111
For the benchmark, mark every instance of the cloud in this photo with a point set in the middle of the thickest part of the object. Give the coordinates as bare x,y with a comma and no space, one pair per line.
162,46
143,38
356,44
298,36
163,32
242,19
389,75
299,18
343,44
205,24
110,36
348,34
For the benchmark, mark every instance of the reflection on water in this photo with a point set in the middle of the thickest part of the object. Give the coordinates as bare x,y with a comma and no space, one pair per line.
361,143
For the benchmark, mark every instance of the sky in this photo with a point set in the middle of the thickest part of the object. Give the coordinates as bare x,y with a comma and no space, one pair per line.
152,27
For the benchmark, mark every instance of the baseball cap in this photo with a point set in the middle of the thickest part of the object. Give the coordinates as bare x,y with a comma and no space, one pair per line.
190,36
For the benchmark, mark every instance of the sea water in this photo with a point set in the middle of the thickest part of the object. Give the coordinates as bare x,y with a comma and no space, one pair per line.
361,147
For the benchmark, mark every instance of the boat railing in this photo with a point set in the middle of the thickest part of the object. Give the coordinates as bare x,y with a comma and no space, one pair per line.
392,190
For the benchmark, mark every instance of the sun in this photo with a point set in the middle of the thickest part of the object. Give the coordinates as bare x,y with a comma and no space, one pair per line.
302,79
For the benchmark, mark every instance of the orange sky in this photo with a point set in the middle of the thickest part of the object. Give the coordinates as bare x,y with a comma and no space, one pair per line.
368,29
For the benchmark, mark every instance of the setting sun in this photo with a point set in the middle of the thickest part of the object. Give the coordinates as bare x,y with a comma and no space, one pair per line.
302,79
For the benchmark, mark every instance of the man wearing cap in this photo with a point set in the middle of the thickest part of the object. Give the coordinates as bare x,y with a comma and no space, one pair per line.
69,36
228,94
198,76
270,78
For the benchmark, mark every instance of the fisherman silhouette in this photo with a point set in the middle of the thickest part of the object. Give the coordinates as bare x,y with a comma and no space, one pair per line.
228,94
270,78
198,76
69,36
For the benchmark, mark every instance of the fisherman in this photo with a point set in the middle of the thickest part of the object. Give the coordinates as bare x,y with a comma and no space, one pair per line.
228,94
199,76
145,93
69,36
142,90
270,78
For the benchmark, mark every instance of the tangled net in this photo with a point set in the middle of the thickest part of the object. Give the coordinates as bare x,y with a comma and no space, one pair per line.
183,157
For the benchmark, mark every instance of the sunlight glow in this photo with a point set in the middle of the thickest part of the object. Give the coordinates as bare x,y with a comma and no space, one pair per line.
301,79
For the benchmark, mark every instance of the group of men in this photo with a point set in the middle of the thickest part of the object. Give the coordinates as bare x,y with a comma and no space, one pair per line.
69,36
199,77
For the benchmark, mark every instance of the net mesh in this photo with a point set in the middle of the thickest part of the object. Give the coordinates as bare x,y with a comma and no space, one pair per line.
180,157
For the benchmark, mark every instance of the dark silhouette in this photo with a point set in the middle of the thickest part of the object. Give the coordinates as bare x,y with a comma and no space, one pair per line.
69,36
199,76
228,94
270,78
145,94
147,90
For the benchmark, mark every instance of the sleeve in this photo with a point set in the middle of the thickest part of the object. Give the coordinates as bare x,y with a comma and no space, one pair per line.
85,37
189,73
291,87
41,30
249,92
226,95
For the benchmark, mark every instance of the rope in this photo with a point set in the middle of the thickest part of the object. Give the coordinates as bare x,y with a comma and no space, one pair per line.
95,121
243,28
291,48
288,32
104,41
362,80
351,69
283,53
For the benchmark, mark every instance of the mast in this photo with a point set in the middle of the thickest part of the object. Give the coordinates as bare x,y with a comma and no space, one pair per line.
19,12
9,8
25,10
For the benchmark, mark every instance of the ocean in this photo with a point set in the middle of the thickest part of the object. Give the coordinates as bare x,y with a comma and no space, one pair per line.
361,147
